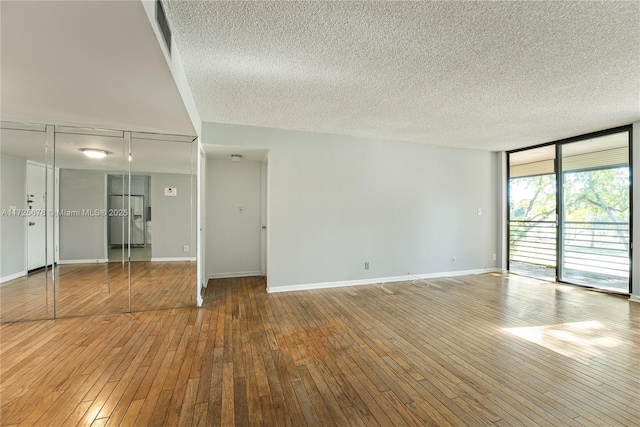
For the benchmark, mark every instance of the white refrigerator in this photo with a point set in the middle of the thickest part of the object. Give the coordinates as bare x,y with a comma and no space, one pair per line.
118,224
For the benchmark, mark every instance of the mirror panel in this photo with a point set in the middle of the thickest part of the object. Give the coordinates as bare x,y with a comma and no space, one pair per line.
26,229
92,276
162,231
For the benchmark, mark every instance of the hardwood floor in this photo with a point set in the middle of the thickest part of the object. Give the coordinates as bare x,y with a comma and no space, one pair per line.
88,289
489,350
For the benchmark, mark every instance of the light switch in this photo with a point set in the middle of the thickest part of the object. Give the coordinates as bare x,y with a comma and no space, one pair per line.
240,209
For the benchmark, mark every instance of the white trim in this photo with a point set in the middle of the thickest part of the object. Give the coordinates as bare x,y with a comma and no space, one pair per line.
634,298
235,274
185,258
82,261
13,276
373,281
264,217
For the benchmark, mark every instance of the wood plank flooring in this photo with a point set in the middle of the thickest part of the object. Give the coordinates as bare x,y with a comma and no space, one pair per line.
489,350
88,289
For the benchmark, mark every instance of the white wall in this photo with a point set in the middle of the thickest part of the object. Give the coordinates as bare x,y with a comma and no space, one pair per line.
635,267
82,237
337,201
233,238
171,217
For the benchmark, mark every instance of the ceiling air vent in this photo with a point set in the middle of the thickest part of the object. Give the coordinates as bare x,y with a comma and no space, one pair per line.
161,18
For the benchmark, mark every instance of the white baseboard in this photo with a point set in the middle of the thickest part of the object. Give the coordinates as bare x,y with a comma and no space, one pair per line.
634,298
234,274
82,261
358,282
13,276
186,258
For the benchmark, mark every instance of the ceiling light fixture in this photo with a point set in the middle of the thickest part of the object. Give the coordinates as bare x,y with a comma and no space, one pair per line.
94,154
236,157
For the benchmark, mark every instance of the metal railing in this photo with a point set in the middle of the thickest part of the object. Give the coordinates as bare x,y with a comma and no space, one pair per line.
597,249
533,242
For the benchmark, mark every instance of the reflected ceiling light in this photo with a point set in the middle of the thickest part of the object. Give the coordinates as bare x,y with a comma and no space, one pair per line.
94,154
236,157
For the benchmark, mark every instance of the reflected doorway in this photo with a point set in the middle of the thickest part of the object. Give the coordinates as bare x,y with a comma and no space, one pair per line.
129,211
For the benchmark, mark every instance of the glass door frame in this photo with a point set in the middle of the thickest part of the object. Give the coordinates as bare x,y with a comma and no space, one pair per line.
560,197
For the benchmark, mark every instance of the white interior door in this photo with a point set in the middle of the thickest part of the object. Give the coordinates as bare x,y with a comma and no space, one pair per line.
36,222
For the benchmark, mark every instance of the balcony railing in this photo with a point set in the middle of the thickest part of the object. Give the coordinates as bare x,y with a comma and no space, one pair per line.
533,242
597,247
593,253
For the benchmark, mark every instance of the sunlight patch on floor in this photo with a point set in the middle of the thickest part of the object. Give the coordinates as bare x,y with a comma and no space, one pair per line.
585,339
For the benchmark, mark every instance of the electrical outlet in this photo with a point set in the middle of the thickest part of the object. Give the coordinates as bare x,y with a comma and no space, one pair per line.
453,259
366,265
186,248
479,211
494,257
106,289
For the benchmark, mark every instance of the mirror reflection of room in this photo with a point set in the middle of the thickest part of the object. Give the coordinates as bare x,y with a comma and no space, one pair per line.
98,189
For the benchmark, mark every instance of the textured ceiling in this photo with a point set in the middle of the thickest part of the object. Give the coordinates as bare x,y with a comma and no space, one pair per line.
87,63
489,75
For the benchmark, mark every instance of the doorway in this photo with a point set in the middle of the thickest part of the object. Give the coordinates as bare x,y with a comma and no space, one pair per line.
236,212
129,208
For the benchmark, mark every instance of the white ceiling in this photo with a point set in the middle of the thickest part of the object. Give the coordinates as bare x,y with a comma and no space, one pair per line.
87,63
489,75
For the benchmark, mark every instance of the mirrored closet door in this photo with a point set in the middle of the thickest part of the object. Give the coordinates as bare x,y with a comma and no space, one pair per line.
117,230
163,242
92,276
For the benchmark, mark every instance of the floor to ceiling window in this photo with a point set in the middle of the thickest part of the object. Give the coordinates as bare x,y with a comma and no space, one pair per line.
532,212
570,211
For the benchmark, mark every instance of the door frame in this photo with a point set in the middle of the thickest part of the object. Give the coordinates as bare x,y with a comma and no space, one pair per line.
264,218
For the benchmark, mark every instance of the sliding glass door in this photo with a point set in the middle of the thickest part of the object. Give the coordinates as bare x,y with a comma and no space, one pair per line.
570,211
595,245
